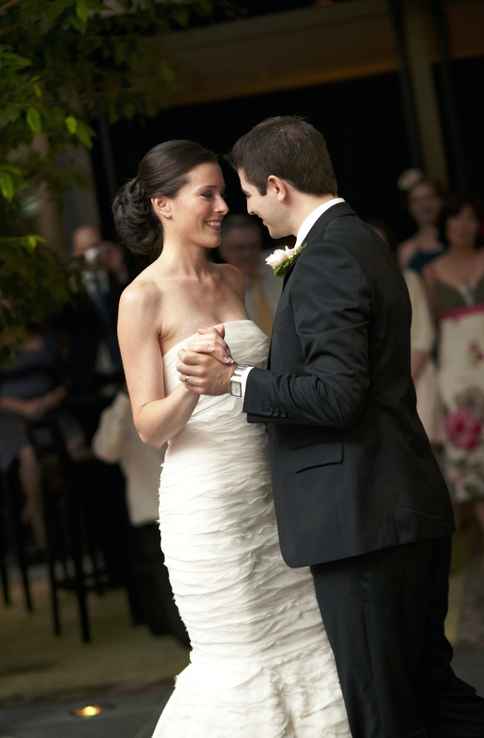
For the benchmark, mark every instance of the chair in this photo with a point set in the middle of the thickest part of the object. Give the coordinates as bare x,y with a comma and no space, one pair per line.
4,572
74,560
12,531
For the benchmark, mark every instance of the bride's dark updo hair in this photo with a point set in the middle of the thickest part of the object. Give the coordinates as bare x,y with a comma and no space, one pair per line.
162,171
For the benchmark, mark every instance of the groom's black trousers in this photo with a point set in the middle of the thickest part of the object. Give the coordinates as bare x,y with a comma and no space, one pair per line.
384,615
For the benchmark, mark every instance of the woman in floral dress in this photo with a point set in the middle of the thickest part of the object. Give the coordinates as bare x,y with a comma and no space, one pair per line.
456,288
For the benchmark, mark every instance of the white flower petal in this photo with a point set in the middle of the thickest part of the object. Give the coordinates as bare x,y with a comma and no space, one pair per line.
279,257
276,258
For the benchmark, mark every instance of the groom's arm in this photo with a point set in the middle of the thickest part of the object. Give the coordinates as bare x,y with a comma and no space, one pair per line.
330,301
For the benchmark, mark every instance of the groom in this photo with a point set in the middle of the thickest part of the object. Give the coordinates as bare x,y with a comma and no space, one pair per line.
358,495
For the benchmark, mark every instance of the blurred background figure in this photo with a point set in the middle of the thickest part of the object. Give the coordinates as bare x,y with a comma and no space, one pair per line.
422,342
116,442
87,328
104,276
243,247
423,202
107,256
456,287
33,390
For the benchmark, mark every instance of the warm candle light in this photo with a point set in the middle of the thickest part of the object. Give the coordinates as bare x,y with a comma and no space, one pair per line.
87,711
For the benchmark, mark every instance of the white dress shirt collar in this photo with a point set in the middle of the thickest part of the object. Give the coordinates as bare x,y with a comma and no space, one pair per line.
313,216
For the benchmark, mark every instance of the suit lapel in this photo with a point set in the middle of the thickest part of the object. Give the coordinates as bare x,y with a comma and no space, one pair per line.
315,234
286,276
317,231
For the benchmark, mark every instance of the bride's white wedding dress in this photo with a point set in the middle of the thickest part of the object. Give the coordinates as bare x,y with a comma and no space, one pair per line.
261,665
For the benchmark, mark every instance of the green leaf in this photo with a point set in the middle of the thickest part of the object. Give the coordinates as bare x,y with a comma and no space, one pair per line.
34,120
71,124
17,243
37,89
10,114
78,25
7,187
182,16
11,169
53,12
84,134
82,10
12,62
32,241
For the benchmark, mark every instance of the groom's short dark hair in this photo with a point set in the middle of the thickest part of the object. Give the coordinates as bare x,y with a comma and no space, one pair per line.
288,147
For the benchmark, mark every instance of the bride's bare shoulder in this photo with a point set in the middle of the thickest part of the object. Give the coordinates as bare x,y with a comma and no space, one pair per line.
142,296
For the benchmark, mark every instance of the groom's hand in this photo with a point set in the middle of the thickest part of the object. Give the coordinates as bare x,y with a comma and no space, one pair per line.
213,330
203,374
211,341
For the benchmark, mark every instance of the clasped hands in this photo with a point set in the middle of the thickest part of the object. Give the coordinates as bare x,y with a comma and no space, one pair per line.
205,364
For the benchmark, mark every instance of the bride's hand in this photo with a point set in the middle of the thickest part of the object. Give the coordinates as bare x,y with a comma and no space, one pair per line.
203,374
210,341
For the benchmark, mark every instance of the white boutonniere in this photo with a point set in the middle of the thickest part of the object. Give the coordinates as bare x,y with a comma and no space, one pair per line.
281,259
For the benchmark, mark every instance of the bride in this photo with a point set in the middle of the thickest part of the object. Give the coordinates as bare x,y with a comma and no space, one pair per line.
261,665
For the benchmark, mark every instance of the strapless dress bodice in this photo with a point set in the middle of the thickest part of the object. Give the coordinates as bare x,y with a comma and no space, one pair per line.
218,422
247,343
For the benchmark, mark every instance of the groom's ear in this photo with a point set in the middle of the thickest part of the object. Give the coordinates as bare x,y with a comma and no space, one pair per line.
277,187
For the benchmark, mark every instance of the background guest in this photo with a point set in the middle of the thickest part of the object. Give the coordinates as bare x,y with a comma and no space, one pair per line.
116,441
242,245
422,342
424,203
456,288
32,388
104,276
88,328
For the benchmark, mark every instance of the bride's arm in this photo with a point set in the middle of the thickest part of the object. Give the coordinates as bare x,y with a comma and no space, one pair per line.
157,417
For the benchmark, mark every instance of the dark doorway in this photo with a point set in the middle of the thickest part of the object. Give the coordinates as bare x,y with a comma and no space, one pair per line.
361,119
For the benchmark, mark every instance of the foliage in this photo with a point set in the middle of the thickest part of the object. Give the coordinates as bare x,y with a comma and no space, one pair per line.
38,284
63,63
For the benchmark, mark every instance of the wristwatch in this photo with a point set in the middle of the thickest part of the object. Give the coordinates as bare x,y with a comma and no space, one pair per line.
236,379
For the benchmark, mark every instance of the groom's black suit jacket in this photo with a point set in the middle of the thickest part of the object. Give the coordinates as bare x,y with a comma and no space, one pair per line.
352,468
